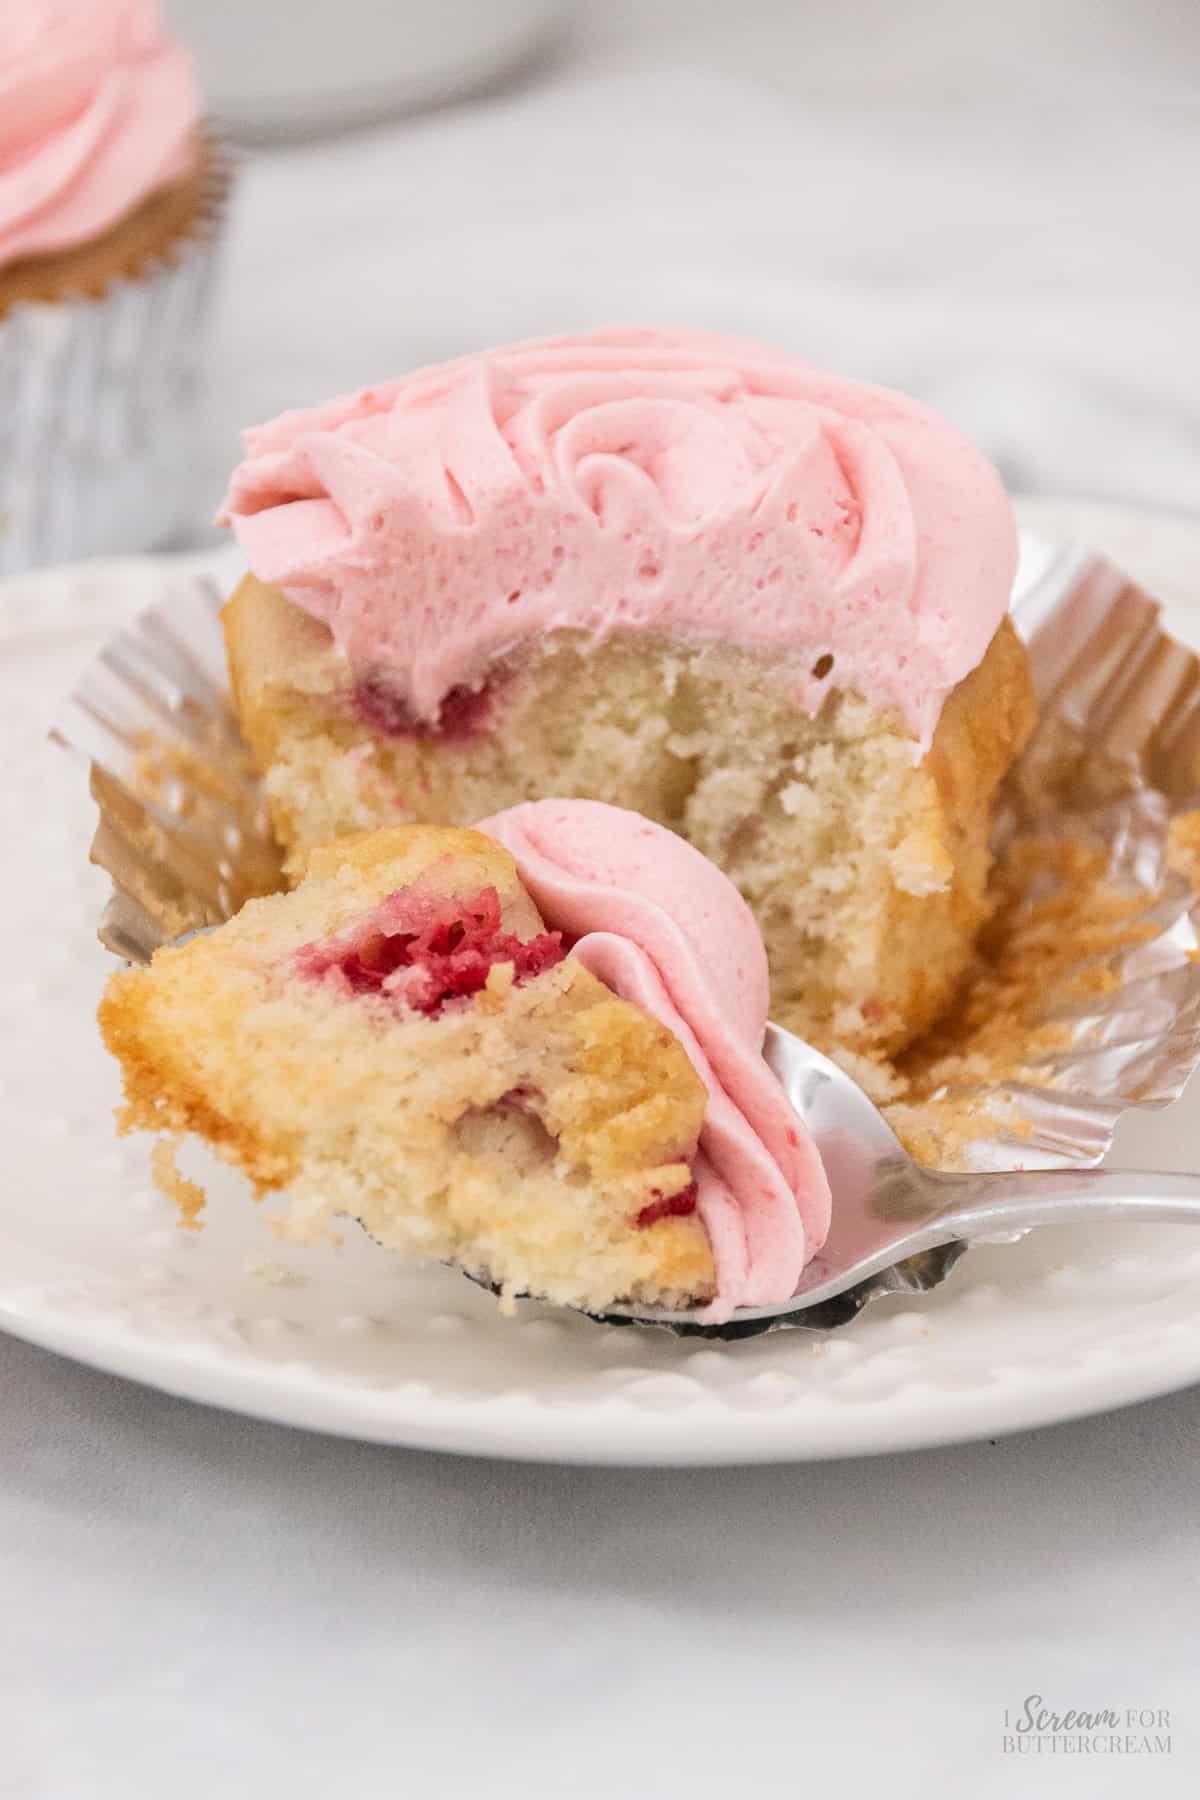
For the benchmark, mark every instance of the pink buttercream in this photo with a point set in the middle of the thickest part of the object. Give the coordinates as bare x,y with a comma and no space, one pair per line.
97,109
681,483
660,925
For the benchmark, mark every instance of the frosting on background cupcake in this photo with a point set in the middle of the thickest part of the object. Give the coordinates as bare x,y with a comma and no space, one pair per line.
113,198
98,110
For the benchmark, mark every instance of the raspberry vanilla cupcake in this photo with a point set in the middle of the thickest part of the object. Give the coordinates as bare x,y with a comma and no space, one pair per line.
532,1050
111,198
762,605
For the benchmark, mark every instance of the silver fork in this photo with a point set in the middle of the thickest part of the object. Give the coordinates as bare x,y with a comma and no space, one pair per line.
899,1227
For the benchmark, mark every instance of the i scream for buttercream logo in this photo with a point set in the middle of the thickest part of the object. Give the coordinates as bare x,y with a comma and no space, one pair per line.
1035,1728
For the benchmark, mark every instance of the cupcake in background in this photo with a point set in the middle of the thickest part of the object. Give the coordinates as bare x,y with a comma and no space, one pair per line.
112,194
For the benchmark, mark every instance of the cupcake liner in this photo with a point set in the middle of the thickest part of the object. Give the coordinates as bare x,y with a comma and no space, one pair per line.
184,829
99,399
184,833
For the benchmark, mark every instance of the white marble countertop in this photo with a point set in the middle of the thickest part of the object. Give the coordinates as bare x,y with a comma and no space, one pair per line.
201,1605
197,1604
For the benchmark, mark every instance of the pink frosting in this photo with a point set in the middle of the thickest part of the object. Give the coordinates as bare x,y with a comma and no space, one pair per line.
681,483
97,110
660,925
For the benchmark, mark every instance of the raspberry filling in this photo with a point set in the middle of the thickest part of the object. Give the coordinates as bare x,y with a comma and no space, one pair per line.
668,1206
462,714
424,949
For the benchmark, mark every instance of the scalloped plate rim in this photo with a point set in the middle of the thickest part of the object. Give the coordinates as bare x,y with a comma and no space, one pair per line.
511,1427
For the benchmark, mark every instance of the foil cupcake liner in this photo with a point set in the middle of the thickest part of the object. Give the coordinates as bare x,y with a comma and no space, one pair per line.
99,399
185,836
1115,758
184,829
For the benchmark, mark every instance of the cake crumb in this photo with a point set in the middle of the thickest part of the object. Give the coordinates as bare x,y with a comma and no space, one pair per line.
500,979
274,1275
1183,848
921,865
170,1181
798,799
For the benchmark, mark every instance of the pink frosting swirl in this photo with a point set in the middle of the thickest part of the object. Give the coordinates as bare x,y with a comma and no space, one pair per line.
681,483
97,110
653,919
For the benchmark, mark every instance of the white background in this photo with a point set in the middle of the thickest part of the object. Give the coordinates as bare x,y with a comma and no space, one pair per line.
997,207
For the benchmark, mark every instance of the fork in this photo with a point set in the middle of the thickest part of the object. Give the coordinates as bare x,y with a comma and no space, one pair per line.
900,1227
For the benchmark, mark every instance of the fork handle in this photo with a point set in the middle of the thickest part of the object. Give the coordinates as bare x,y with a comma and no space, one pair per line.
1020,1200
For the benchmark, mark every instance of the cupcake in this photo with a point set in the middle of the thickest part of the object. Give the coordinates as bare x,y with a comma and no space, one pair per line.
531,1050
764,606
111,197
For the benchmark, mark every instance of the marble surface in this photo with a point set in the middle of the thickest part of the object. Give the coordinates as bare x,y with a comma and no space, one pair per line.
199,1605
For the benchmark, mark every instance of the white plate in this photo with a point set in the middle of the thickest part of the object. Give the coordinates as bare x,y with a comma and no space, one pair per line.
91,1262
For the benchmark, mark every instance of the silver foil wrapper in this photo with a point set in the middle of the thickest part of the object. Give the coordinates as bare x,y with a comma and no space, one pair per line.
185,835
100,400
